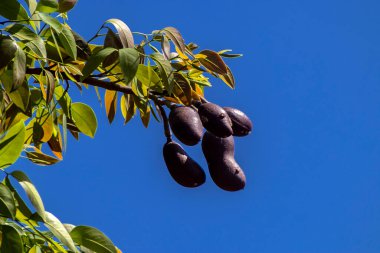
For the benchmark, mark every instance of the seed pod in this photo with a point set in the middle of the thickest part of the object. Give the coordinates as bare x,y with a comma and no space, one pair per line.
183,169
241,124
186,125
224,170
215,119
66,5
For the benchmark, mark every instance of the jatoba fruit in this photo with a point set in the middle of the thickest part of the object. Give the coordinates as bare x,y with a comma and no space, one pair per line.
241,124
215,119
66,5
224,170
186,125
183,169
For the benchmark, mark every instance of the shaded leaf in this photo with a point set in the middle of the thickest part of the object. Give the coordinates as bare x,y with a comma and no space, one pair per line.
19,69
7,202
95,60
176,37
59,231
13,10
228,78
8,48
129,62
113,41
41,158
165,70
92,239
19,97
84,118
212,61
11,240
11,145
31,192
125,34
165,45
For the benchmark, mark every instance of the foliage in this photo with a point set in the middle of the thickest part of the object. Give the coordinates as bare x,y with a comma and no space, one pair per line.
41,60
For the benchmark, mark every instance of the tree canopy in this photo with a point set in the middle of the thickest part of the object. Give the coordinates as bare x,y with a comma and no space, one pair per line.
42,59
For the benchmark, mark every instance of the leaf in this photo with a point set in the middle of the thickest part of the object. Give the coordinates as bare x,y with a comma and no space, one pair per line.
19,97
63,99
32,4
52,22
95,60
212,61
59,231
55,143
19,69
41,158
31,192
50,84
129,62
35,249
93,239
8,48
13,10
67,39
7,202
31,39
165,69
147,76
113,41
47,6
11,145
84,118
127,106
125,34
176,37
11,240
228,78
110,101
165,45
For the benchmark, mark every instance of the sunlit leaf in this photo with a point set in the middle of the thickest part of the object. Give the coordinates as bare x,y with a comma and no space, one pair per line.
129,62
125,34
47,6
165,70
147,76
92,239
31,192
228,78
7,202
110,102
11,145
84,118
127,106
11,240
212,61
59,231
165,45
176,37
67,39
52,22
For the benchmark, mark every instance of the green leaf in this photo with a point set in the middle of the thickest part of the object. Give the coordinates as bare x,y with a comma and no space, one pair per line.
129,62
63,99
67,40
19,69
7,202
95,60
30,191
125,34
31,39
47,6
52,22
11,240
59,231
11,144
84,118
165,69
93,239
113,41
19,97
32,4
147,76
12,9
8,48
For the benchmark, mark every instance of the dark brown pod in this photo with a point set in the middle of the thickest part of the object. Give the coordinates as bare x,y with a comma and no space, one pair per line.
215,119
183,169
186,125
241,124
224,170
66,5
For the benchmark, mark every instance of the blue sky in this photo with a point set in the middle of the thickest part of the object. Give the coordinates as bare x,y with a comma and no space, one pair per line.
310,81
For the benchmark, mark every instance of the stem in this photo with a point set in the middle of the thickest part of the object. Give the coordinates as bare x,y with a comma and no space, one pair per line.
165,120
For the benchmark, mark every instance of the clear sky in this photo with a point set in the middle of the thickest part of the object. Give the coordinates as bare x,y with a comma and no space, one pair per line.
310,81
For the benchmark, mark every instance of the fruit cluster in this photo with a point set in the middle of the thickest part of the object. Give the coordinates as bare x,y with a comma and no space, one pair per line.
222,124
